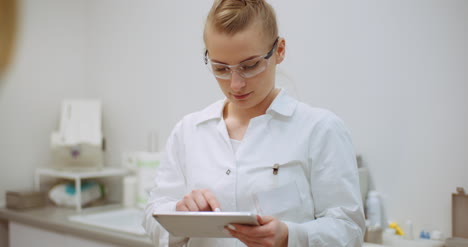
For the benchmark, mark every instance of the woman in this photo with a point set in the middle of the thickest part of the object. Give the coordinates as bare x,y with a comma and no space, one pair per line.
258,150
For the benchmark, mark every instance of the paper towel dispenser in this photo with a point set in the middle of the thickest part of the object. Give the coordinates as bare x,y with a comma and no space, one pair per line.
78,144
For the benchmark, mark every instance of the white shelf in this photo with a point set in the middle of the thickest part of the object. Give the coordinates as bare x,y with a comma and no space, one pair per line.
105,172
77,176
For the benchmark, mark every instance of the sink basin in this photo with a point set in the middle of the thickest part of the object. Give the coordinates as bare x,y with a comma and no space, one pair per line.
126,220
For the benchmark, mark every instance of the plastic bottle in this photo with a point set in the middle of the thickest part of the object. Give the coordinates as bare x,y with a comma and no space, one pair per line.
409,230
147,164
374,209
129,191
389,237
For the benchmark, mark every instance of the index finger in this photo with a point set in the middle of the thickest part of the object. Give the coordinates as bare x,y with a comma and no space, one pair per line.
211,199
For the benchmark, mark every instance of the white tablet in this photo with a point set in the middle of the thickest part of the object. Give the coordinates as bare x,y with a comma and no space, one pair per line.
203,224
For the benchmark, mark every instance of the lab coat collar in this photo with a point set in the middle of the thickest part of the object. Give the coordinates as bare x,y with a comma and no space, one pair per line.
283,104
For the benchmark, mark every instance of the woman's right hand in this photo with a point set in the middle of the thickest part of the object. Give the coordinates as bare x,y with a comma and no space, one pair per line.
198,200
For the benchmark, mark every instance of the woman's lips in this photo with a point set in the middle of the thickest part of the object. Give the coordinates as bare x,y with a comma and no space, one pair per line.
241,96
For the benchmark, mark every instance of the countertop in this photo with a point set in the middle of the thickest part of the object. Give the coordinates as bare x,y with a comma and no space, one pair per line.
56,219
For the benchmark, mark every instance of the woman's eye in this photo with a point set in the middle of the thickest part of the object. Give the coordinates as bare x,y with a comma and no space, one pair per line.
220,68
251,65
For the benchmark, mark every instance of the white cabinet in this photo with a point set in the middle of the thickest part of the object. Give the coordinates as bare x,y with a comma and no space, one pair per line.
72,241
24,236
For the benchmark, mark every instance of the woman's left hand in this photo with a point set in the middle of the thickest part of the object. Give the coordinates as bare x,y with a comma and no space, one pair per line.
271,233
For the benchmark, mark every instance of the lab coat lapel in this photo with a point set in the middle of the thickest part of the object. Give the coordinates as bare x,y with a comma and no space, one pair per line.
222,131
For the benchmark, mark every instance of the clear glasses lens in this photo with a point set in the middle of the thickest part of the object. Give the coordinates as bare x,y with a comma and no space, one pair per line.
246,69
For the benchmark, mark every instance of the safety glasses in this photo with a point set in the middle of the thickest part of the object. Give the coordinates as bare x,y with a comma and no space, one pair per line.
246,69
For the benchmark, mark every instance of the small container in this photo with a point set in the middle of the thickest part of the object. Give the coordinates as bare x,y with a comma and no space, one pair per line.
409,230
147,163
437,235
389,237
129,196
25,199
374,234
374,209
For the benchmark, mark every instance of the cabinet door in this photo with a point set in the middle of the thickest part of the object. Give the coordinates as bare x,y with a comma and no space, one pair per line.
3,233
73,241
24,236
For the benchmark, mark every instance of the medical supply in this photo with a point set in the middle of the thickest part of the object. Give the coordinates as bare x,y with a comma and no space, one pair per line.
65,194
424,235
374,209
129,191
143,166
398,230
389,237
409,230
363,182
437,235
147,163
363,178
78,144
25,199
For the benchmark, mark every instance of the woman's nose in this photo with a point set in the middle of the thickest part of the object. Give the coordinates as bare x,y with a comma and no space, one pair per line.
237,81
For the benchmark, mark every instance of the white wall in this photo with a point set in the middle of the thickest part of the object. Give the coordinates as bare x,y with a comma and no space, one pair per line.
48,66
147,68
395,71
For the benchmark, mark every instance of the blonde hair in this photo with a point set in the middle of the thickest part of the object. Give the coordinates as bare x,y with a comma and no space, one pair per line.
233,16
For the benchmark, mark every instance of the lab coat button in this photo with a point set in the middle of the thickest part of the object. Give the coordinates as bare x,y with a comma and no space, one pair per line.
228,172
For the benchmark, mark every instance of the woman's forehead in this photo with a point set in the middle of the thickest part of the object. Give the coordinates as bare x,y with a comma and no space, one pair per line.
233,49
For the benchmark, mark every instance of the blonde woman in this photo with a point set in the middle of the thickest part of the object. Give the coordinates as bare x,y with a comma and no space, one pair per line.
259,149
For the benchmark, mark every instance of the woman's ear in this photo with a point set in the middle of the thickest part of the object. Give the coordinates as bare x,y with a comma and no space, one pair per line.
280,51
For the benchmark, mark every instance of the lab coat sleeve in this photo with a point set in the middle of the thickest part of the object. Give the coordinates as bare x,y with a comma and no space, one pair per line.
334,183
169,188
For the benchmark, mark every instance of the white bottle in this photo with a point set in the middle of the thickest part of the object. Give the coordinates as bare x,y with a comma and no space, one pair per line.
408,230
147,163
129,191
374,209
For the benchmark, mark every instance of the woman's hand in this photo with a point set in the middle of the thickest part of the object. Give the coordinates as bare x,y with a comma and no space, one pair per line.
270,233
198,200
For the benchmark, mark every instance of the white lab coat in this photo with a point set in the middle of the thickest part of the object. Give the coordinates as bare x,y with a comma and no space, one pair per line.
316,163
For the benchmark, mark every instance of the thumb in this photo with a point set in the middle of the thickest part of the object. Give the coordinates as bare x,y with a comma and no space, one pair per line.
264,220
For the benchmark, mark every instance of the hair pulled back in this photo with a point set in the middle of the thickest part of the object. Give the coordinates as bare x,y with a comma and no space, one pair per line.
233,16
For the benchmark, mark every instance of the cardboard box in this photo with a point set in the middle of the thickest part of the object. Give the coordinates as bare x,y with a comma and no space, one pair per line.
25,199
456,242
459,220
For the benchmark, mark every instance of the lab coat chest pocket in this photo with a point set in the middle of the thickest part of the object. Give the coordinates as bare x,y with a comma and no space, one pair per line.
287,192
